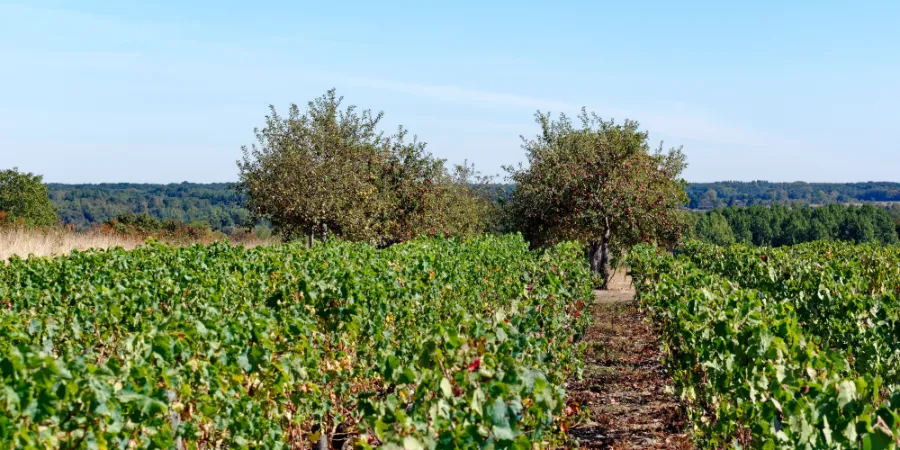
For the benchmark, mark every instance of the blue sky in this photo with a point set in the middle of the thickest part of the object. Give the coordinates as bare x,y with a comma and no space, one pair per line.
96,91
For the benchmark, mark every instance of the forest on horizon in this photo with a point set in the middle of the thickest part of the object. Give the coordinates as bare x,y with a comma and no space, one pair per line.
216,204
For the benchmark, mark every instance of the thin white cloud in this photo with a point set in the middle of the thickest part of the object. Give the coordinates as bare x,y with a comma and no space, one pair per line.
677,125
460,95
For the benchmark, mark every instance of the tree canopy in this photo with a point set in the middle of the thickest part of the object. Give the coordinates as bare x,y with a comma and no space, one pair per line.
85,205
599,183
747,193
23,196
782,225
332,171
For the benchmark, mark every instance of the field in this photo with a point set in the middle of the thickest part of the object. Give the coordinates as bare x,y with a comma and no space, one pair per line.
448,343
795,347
58,241
433,343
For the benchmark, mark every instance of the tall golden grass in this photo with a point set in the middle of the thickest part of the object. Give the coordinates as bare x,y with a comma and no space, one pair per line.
24,241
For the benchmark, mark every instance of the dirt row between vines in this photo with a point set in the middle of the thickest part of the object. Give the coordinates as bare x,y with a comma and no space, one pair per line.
625,387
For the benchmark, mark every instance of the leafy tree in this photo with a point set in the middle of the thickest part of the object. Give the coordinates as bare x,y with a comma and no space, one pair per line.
823,223
600,184
86,205
467,204
885,230
24,196
737,193
332,171
795,229
782,225
858,228
142,221
710,199
739,224
761,225
714,228
689,220
895,214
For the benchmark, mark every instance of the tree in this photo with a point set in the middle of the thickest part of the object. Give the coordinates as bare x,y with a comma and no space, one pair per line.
600,184
332,171
783,225
710,200
857,228
466,205
761,225
885,230
689,220
713,227
795,229
739,224
23,196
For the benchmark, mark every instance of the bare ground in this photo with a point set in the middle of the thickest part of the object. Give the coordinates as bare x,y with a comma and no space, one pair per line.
625,385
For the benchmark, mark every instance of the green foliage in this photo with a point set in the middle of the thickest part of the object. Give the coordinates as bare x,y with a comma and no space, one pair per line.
330,171
84,205
781,225
738,193
87,205
714,228
170,229
428,344
600,184
780,348
24,197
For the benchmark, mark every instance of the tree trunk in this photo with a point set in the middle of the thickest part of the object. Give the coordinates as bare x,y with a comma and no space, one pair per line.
604,259
594,256
323,441
599,257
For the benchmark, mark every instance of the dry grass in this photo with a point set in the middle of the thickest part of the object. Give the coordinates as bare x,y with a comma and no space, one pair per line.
57,241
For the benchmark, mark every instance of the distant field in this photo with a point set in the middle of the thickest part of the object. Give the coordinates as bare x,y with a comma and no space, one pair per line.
55,242
26,242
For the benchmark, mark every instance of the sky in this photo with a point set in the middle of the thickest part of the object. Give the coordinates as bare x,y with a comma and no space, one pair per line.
168,91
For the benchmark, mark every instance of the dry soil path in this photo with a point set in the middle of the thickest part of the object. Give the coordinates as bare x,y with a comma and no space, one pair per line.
625,384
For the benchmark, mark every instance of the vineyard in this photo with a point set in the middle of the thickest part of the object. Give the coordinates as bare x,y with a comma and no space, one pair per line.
796,347
434,343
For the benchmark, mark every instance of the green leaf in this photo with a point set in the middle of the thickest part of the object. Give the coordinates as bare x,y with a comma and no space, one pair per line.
411,443
846,392
446,387
477,401
499,413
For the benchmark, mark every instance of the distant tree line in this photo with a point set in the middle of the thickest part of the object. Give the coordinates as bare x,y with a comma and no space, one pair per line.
219,206
214,204
736,193
784,225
